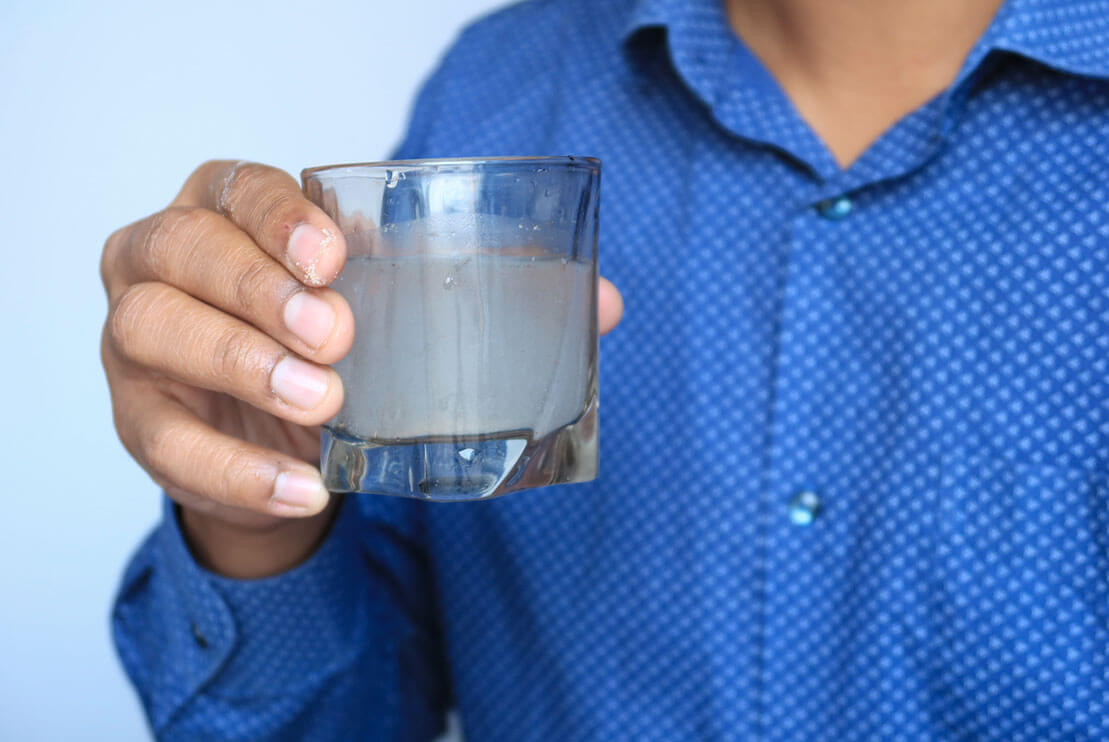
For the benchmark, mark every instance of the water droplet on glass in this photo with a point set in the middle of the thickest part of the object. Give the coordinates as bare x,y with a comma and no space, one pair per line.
392,177
448,282
547,192
467,454
535,228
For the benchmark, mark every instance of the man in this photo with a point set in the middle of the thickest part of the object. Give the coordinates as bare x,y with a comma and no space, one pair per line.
855,432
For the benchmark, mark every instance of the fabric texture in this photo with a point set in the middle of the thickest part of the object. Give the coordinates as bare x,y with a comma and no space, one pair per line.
854,428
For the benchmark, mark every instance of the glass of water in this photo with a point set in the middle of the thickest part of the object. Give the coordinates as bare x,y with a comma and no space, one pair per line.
473,284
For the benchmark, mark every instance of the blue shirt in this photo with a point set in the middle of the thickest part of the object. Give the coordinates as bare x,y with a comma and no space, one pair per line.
854,433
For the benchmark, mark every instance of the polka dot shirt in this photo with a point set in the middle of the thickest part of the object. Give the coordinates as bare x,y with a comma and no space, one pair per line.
854,428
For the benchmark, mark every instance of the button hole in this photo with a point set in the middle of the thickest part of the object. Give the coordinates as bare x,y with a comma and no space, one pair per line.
201,640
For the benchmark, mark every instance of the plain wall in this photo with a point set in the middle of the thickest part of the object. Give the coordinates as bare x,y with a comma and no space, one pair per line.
105,108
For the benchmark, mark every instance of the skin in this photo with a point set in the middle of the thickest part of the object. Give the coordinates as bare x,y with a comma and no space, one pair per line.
218,306
853,69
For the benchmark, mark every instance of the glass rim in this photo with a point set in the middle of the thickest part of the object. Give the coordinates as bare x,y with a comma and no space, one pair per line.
568,161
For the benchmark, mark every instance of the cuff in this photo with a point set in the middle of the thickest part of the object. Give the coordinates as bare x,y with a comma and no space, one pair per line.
296,629
181,628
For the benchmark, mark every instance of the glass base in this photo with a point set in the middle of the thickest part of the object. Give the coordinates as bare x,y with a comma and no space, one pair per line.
449,468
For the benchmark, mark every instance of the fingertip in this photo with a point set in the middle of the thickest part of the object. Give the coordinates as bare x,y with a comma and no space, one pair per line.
304,392
321,320
341,337
333,255
298,493
317,252
332,401
610,306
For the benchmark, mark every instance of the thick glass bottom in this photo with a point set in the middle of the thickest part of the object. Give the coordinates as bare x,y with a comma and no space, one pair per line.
451,468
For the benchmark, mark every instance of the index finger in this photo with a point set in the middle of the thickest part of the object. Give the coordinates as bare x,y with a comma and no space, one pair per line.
268,205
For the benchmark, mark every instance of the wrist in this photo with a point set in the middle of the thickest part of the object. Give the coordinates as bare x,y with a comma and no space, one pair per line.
241,552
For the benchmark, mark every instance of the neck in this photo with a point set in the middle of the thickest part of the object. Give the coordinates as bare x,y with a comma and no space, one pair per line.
852,68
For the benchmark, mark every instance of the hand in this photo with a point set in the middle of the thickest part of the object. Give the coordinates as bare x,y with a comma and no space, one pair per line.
219,331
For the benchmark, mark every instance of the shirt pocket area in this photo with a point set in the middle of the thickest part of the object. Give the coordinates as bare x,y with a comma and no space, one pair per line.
1021,600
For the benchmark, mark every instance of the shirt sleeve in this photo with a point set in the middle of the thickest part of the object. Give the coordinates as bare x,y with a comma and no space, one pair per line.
342,646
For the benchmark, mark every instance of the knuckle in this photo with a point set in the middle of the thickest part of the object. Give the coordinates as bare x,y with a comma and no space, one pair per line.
172,235
106,351
237,356
160,446
203,182
127,318
241,180
253,284
109,258
240,475
208,167
125,426
119,401
282,212
259,194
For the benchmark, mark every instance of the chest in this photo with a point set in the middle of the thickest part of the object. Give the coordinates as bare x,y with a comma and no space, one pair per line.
923,351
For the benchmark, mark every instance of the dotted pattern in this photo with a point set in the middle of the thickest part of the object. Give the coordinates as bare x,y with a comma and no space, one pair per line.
929,361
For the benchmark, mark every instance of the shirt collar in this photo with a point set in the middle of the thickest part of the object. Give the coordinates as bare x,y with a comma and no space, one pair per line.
723,74
1069,35
648,14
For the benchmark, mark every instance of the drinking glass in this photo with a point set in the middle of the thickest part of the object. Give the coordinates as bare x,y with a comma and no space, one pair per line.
473,283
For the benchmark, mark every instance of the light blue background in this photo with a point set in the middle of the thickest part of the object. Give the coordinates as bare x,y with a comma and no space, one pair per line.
104,110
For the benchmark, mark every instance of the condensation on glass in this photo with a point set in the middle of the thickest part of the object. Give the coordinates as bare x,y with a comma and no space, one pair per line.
473,284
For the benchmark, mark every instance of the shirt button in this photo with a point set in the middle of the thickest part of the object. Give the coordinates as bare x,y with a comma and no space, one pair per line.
834,209
804,507
198,637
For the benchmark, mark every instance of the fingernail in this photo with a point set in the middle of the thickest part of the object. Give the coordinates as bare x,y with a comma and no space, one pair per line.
299,383
310,318
306,246
299,489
